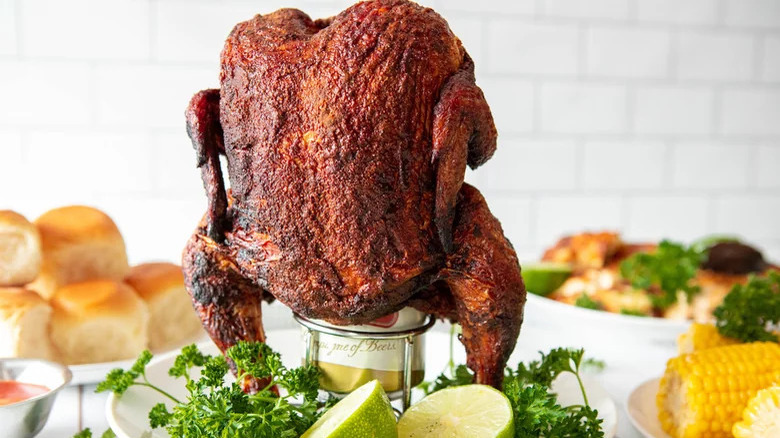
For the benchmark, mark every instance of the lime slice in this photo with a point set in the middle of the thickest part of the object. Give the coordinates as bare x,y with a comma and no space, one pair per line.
477,411
364,412
543,278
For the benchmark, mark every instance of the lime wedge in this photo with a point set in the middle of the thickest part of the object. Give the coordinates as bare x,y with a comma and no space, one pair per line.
365,412
543,278
477,411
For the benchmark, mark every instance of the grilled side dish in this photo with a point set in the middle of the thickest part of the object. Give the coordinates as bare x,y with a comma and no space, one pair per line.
598,281
347,139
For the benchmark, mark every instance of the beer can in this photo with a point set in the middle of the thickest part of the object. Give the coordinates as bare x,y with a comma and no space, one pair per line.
347,363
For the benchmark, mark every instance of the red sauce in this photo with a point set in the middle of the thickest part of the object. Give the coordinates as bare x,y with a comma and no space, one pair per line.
14,392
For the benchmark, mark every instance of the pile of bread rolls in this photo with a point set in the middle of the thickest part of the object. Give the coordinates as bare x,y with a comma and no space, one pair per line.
68,294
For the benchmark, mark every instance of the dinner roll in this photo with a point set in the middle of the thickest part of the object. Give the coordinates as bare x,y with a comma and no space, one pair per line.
171,316
98,321
79,243
20,249
24,324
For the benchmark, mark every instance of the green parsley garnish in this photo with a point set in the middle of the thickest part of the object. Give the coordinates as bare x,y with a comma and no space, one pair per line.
671,268
632,312
585,301
87,433
749,310
536,410
214,409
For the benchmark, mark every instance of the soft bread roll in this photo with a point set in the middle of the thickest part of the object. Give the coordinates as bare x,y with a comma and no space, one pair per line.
20,249
24,324
79,243
98,321
172,318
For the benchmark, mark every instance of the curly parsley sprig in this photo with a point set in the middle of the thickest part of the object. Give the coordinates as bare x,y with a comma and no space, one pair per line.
214,409
671,268
748,311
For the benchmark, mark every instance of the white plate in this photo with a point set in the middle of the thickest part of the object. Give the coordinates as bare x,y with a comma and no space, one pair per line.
89,373
643,412
127,415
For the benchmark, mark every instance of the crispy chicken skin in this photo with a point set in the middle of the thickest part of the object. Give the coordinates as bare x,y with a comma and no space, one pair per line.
346,142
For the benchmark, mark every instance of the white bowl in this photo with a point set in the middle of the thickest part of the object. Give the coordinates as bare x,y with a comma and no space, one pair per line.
26,418
595,329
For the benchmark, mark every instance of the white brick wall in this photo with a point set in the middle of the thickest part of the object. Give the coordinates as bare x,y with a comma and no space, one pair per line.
678,11
725,166
673,110
715,55
572,107
627,52
771,66
754,111
525,47
657,117
57,29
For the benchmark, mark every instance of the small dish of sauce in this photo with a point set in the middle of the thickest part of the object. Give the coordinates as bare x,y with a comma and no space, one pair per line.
15,392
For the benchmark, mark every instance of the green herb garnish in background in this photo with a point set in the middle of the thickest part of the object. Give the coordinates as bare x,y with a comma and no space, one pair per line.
216,410
536,410
632,312
87,433
585,301
670,268
749,310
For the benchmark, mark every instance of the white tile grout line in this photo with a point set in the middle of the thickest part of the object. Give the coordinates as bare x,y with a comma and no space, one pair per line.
673,60
752,168
720,12
18,27
717,108
669,168
583,33
153,36
633,11
759,43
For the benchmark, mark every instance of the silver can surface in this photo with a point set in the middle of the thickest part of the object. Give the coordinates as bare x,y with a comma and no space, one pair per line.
347,363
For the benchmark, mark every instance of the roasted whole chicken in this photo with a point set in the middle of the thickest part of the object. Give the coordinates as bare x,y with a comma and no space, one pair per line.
346,142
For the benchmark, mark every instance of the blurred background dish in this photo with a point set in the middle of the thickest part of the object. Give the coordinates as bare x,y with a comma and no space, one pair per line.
599,271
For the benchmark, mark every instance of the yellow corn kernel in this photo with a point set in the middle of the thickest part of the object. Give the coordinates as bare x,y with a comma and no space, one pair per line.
702,394
700,337
761,418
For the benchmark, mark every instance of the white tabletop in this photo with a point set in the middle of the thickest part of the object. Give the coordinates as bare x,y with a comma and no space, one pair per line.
79,407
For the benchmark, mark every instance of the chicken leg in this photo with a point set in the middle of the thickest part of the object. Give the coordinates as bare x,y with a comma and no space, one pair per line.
228,304
482,289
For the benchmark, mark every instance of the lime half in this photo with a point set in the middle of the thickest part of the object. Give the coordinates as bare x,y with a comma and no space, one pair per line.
365,412
477,411
544,278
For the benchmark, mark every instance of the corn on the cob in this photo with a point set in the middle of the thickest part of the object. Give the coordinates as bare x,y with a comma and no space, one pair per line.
700,337
761,418
703,394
